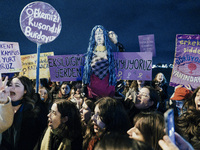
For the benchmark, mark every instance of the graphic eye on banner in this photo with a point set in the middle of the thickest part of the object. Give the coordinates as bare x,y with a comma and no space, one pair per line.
10,59
29,65
132,66
186,68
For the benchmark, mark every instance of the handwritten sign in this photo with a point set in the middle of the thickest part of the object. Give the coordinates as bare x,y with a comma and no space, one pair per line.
29,65
186,68
147,43
66,67
10,59
40,22
132,66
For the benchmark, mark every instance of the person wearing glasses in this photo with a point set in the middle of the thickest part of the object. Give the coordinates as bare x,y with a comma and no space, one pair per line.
146,100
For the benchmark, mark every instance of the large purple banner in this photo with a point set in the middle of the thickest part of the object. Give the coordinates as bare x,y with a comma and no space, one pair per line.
186,68
131,66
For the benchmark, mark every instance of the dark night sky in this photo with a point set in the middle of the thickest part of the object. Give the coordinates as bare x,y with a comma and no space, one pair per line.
128,18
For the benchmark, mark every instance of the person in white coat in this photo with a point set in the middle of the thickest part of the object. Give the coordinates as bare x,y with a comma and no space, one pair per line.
6,111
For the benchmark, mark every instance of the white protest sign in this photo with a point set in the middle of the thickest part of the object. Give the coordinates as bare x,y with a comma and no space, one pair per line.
10,59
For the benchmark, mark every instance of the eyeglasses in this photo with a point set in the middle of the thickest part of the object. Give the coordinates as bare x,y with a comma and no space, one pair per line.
96,116
143,94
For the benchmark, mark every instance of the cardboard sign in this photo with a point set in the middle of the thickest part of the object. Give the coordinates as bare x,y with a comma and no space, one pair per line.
147,43
186,68
66,67
29,65
132,66
10,59
40,22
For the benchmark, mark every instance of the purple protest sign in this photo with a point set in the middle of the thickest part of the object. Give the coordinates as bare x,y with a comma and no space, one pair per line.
66,67
40,22
132,66
186,68
147,43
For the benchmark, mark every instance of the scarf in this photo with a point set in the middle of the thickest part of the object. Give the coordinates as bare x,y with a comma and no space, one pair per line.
46,141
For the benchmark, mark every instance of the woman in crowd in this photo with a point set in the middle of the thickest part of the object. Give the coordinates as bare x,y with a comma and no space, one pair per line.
109,116
64,128
149,128
146,100
86,113
134,88
116,141
159,83
46,97
194,101
29,118
64,91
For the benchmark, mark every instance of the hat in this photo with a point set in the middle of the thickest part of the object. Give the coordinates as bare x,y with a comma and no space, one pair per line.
181,93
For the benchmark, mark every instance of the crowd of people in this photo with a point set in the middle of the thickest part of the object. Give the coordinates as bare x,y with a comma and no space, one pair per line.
61,116
97,113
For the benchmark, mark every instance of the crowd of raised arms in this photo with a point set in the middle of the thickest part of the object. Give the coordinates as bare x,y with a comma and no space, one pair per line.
61,116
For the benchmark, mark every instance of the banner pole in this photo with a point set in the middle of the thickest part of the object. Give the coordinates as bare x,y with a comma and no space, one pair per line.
38,67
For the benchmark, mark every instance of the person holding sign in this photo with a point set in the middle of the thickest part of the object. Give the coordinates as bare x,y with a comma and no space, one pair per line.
99,69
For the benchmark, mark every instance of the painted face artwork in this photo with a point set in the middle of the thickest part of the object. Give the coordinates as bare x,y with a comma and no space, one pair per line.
160,77
54,117
98,124
197,100
43,94
16,89
99,37
85,112
143,99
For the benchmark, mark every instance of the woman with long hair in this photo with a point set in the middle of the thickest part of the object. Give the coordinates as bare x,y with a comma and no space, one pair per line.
109,116
64,128
29,116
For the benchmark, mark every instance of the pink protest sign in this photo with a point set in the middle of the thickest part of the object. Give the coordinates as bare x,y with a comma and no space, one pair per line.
40,22
186,68
147,43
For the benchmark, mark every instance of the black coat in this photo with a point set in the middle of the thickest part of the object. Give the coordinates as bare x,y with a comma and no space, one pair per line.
28,125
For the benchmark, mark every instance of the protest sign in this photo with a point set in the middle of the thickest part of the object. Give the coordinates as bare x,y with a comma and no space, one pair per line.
147,43
66,67
131,66
29,65
10,59
186,67
134,65
40,22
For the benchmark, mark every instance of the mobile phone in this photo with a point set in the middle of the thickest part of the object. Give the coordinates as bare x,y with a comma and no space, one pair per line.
169,124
